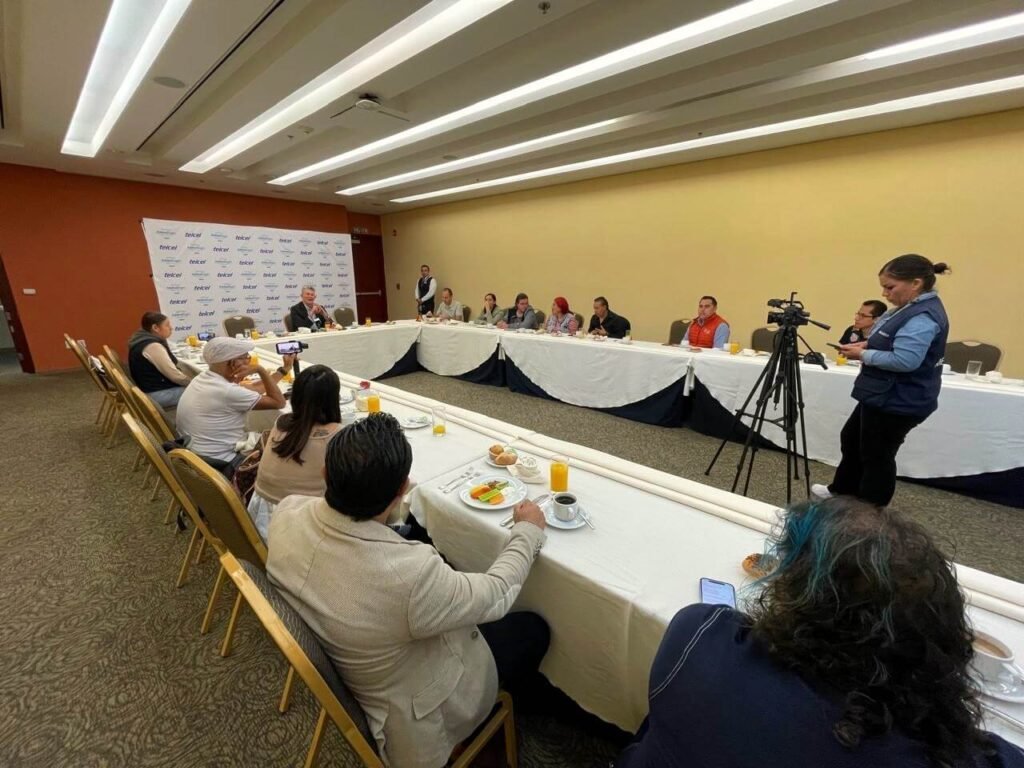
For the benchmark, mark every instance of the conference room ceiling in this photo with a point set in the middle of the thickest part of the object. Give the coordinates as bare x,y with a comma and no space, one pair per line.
233,60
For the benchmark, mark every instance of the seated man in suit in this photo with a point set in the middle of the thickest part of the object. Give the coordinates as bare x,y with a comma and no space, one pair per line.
422,646
708,329
308,314
863,321
604,322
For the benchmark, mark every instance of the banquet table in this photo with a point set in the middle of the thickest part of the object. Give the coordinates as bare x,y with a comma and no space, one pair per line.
608,593
974,443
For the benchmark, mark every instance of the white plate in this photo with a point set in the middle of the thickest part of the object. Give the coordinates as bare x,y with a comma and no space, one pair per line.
491,461
414,422
1015,694
554,522
346,396
514,492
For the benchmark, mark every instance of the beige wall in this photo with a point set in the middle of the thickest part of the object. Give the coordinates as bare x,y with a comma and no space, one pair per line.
819,218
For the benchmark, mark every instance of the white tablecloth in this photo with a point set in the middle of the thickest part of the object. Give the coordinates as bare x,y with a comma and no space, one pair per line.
366,352
595,374
452,350
978,428
609,593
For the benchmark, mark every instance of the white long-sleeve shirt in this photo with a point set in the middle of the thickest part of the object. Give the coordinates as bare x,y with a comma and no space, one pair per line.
430,291
157,355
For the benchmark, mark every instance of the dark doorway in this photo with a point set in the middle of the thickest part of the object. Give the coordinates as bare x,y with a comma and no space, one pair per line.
11,322
371,293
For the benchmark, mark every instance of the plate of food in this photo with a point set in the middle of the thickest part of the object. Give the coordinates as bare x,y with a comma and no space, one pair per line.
414,422
493,492
501,456
758,565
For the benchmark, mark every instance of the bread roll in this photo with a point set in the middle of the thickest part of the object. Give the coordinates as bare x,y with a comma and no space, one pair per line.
496,450
505,459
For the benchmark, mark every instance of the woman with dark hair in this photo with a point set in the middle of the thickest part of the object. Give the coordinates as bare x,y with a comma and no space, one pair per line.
152,364
899,380
855,654
491,313
293,462
561,320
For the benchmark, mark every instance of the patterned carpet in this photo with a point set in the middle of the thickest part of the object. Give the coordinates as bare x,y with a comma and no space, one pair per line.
101,661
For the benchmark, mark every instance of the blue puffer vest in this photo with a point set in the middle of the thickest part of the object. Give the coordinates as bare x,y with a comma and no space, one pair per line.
913,393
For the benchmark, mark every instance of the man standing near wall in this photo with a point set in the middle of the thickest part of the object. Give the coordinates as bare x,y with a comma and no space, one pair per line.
426,287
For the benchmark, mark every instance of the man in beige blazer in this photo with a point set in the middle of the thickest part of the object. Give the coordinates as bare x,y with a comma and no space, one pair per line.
399,622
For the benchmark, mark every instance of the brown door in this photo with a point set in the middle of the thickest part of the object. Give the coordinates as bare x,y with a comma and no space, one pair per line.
10,316
371,293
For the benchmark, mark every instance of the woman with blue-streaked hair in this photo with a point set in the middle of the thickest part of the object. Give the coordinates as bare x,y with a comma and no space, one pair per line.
854,653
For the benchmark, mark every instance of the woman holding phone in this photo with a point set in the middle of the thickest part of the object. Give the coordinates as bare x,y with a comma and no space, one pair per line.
899,380
293,461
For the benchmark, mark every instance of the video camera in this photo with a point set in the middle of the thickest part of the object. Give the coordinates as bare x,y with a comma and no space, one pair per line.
792,312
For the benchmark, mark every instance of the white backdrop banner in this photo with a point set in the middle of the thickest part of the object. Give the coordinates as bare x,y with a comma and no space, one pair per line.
205,272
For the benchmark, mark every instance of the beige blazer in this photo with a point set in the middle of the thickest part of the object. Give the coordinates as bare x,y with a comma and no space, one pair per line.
399,623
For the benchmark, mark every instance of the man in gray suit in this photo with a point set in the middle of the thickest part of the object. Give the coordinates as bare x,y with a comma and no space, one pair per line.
422,646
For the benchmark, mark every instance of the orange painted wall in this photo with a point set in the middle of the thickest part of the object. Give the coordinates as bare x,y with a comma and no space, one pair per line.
78,241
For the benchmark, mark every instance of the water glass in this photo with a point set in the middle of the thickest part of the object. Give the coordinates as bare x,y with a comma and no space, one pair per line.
439,417
973,369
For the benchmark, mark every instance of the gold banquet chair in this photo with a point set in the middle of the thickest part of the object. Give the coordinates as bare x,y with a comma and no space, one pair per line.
152,414
108,405
306,655
115,360
226,519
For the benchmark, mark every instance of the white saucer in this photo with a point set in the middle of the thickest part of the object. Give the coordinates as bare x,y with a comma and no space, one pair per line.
554,522
1011,693
414,422
345,396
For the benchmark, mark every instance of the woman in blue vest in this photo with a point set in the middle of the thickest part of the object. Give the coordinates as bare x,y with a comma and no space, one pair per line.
152,364
899,381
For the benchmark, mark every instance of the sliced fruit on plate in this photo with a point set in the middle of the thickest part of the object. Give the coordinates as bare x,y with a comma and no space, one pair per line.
479,491
499,499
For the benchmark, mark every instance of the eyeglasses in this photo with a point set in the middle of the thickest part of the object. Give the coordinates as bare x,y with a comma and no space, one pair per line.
866,317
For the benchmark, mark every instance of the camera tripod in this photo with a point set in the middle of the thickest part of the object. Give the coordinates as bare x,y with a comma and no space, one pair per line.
778,382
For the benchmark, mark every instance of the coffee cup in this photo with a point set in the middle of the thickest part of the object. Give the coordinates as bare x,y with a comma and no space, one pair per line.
947,368
993,659
994,376
565,506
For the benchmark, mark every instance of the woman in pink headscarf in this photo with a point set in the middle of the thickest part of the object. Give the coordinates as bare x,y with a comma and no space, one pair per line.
561,319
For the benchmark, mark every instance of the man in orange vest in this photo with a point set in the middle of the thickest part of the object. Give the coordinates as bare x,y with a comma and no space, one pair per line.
708,329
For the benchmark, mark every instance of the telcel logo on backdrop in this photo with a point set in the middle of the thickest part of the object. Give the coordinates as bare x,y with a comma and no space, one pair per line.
166,247
228,300
222,249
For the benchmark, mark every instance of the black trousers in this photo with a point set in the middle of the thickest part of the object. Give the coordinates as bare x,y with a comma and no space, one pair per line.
518,642
870,441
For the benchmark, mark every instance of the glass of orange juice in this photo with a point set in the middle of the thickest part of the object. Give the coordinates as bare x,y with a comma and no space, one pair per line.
559,474
439,417
254,359
734,348
841,359
369,321
193,341
373,403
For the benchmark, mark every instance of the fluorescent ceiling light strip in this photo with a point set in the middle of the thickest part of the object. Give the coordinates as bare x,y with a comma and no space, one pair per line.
502,153
710,29
972,34
99,105
946,42
430,25
886,107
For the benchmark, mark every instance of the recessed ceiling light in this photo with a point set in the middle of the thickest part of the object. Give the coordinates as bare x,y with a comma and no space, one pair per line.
704,31
168,82
943,43
426,27
845,115
132,37
155,175
522,148
972,35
